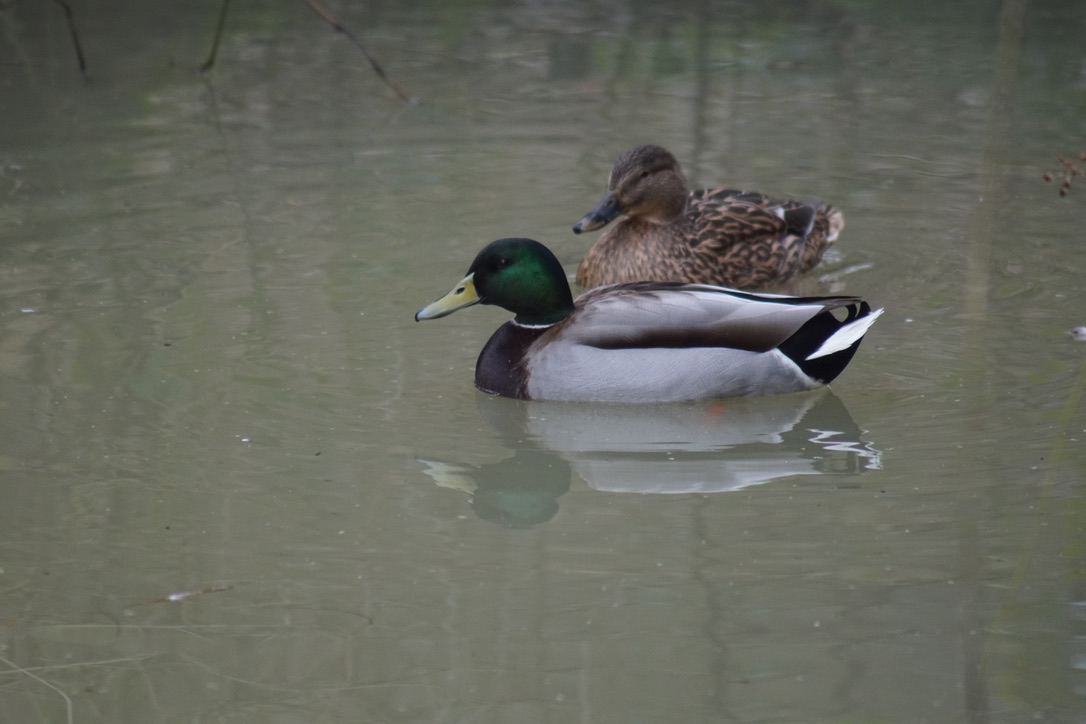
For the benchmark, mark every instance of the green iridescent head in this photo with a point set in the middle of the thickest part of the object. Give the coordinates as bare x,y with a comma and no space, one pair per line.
520,275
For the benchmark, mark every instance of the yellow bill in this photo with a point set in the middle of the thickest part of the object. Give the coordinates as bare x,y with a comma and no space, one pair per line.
462,295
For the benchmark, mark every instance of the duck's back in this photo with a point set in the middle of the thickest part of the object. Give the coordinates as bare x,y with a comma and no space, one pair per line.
748,240
652,342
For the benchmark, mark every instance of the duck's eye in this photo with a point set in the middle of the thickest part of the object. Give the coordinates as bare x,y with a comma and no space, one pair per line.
644,174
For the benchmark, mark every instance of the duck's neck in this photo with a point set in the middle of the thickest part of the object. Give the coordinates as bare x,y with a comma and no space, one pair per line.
670,203
543,306
671,210
538,320
658,231
501,368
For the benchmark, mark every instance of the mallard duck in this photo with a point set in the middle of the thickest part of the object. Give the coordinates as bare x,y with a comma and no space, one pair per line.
731,238
646,341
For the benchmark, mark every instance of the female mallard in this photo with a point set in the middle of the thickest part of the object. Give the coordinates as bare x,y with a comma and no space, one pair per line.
718,236
646,342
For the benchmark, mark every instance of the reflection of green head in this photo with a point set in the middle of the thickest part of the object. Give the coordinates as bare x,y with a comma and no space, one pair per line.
524,277
521,491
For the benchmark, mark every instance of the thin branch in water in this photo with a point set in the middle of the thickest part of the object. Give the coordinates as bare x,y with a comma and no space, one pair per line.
70,18
182,595
339,27
224,6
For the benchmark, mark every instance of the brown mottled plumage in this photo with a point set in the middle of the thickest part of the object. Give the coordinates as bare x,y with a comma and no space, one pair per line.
740,239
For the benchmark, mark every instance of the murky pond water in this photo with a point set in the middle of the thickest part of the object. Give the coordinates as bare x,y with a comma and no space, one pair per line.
239,483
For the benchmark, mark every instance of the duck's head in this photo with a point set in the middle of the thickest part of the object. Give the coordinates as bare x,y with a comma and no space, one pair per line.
520,275
645,183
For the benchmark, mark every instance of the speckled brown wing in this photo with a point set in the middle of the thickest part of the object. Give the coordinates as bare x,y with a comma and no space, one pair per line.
740,245
749,240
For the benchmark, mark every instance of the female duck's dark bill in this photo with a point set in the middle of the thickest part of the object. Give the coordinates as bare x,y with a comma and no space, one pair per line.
462,295
605,212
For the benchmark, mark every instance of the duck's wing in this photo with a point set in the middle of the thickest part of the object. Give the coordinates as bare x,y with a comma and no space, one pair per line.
665,315
752,213
756,238
790,216
726,217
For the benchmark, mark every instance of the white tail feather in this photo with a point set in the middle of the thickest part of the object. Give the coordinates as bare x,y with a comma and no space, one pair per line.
846,336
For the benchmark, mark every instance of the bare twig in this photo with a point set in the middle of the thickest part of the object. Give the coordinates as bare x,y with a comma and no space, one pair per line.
214,53
327,17
339,27
182,595
70,18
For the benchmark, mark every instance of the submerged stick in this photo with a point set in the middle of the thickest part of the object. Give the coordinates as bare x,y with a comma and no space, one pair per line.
70,19
182,595
214,53
339,27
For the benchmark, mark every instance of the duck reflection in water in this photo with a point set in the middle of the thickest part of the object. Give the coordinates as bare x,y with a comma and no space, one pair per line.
515,492
704,447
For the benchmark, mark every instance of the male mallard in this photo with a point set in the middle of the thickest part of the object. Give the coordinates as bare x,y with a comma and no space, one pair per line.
719,236
649,341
